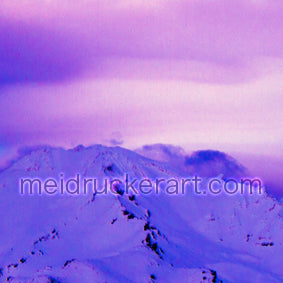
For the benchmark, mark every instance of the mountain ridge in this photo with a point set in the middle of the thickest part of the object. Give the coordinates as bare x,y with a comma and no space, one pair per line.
132,238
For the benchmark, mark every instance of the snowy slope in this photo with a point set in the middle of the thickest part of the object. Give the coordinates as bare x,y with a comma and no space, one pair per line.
132,238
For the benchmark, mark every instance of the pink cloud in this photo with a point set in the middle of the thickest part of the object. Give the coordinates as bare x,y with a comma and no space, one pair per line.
51,41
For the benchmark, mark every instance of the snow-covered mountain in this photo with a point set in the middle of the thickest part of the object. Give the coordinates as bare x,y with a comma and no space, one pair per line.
132,238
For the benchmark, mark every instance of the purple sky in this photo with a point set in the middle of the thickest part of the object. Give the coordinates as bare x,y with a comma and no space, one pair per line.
200,74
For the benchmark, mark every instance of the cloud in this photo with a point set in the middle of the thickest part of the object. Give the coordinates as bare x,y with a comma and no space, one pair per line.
163,152
183,72
116,139
53,41
34,53
213,163
144,112
205,163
